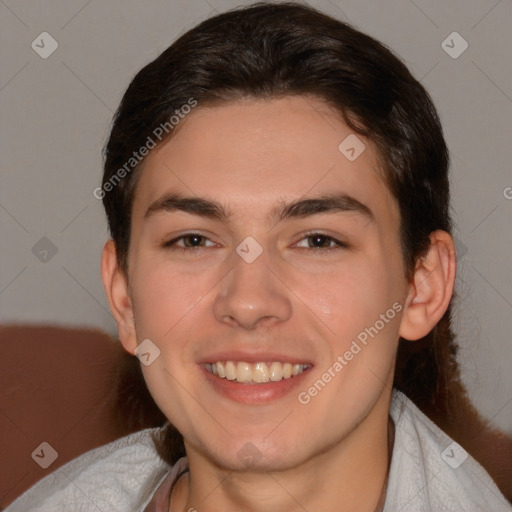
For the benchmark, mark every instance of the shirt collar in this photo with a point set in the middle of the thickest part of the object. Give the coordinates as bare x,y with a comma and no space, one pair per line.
160,500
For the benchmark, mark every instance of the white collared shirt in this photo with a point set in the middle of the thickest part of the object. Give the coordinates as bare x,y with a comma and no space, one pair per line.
429,472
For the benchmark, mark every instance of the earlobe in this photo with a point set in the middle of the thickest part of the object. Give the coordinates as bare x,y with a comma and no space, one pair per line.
431,289
116,288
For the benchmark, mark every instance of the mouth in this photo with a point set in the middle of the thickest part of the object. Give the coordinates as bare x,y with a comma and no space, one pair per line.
261,380
255,373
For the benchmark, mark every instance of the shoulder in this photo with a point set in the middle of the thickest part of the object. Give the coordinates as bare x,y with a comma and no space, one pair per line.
430,471
121,475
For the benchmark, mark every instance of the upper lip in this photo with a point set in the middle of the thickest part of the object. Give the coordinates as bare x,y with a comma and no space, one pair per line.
253,357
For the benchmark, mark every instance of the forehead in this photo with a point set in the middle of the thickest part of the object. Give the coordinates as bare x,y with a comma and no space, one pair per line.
251,155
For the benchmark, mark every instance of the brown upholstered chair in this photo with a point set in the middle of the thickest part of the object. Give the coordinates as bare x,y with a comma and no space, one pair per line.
59,386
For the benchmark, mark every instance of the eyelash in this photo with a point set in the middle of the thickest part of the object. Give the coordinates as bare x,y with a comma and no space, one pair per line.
171,244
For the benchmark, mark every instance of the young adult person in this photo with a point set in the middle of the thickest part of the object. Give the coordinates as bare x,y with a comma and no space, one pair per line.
276,186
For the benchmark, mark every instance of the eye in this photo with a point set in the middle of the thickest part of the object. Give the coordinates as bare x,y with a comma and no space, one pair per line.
188,242
319,242
194,242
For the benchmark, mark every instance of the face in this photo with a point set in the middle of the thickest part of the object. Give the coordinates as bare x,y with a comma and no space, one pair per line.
258,244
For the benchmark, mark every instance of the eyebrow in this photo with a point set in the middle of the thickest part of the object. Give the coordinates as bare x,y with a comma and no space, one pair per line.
203,207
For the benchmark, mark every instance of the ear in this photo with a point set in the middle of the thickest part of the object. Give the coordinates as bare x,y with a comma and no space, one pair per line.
431,288
116,287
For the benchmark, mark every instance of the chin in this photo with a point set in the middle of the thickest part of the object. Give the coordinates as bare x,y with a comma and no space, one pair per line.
255,456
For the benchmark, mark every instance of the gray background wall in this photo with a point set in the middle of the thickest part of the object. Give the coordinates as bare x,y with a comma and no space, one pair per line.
56,111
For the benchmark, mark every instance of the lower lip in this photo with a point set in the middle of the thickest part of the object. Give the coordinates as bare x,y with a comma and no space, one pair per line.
253,393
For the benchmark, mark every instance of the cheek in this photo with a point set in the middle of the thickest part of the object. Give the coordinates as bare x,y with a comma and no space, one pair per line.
347,299
164,301
162,297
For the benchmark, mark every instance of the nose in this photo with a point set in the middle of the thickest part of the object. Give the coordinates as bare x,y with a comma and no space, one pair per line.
252,295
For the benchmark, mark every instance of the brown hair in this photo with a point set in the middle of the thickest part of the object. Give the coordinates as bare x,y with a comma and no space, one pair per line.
269,50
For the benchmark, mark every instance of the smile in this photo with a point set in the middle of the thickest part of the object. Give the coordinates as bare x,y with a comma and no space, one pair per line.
255,373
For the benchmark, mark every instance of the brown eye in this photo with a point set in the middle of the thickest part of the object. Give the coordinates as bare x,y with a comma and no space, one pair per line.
319,243
188,242
193,240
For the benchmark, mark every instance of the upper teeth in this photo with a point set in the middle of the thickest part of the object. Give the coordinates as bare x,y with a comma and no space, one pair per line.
257,372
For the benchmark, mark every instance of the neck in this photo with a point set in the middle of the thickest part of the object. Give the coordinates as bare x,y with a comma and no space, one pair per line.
350,475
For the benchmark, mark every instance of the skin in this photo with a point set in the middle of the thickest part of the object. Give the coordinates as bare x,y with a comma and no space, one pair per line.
251,156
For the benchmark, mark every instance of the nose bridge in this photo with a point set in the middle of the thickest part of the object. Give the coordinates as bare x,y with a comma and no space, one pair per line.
251,293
